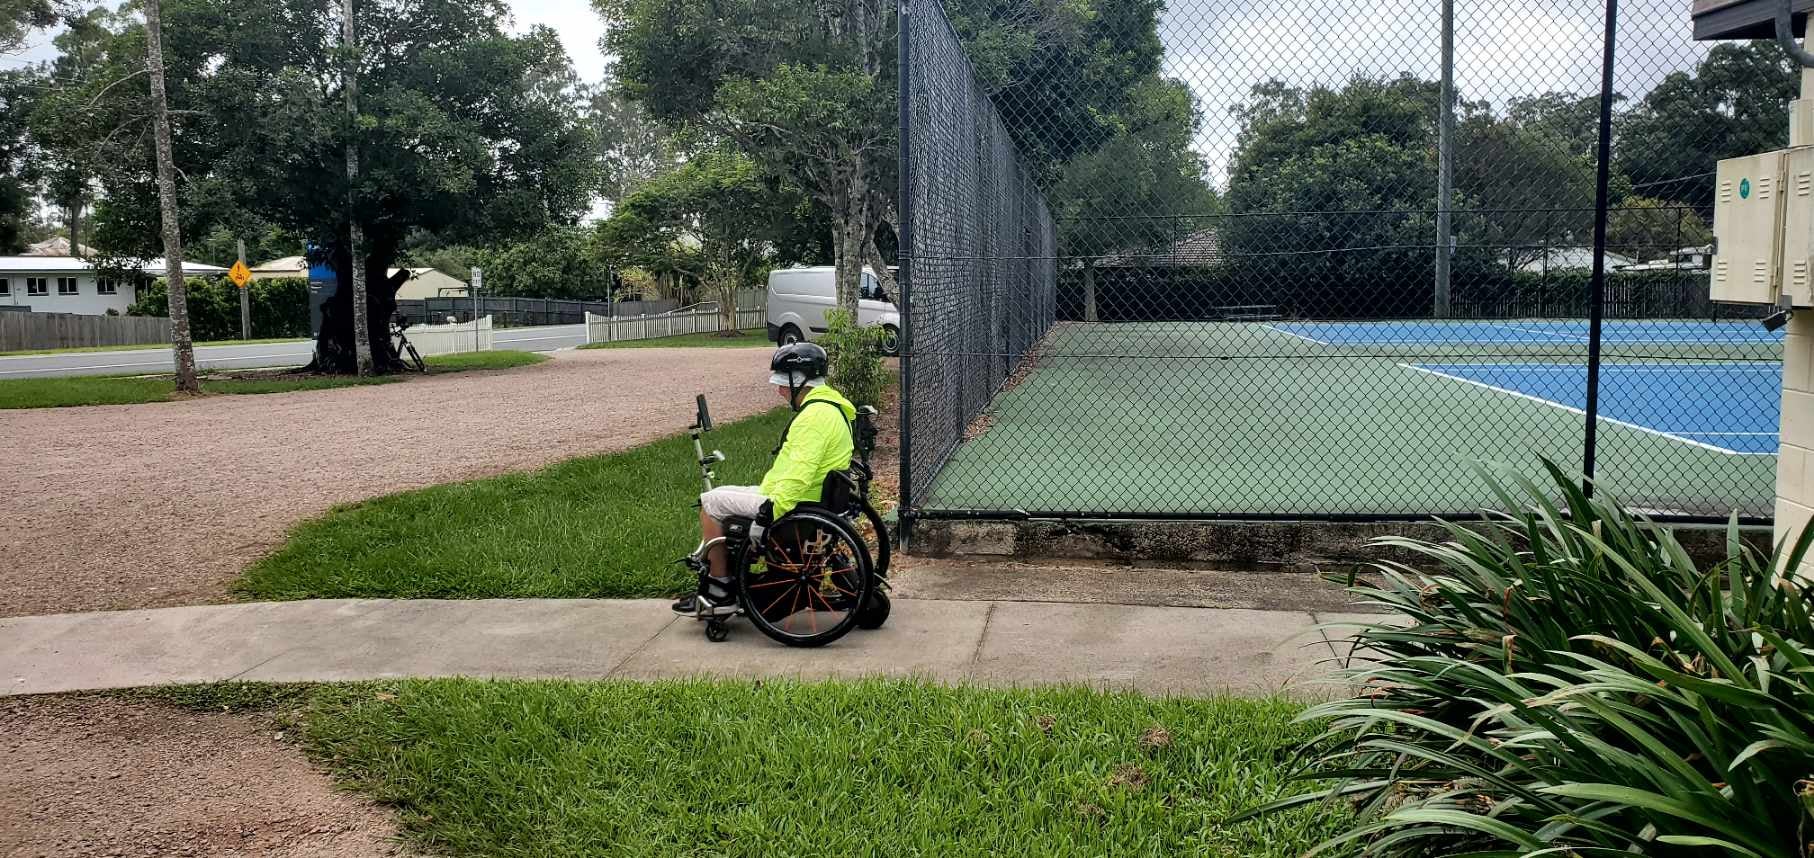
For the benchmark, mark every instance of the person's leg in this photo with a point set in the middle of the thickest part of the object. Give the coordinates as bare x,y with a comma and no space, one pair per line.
716,557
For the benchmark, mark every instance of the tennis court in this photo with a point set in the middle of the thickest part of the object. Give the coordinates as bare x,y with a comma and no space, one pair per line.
1319,419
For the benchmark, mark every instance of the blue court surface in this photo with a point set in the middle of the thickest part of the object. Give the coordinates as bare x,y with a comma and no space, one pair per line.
1729,407
1529,332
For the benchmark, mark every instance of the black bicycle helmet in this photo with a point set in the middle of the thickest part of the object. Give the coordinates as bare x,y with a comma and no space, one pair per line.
796,365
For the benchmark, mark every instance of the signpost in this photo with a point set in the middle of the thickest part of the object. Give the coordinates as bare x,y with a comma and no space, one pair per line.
241,275
478,282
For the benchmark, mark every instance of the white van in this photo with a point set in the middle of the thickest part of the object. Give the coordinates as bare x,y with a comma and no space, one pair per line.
799,297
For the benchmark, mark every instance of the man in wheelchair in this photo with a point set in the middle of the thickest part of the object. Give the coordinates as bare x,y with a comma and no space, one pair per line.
817,442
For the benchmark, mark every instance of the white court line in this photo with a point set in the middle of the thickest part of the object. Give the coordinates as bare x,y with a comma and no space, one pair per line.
1298,336
1573,410
1699,366
1540,332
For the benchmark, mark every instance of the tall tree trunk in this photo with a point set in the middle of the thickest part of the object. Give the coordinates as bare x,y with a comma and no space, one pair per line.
362,344
852,226
166,195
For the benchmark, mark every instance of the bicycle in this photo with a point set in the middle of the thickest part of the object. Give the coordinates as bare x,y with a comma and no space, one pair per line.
804,579
403,346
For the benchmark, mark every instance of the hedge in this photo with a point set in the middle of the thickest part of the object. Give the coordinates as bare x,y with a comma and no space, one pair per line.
280,307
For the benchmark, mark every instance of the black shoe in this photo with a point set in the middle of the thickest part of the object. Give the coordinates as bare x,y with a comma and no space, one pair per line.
717,602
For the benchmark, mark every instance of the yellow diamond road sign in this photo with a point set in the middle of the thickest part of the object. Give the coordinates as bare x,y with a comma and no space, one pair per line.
239,274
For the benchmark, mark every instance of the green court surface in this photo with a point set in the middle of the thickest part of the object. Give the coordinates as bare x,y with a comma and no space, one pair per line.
1257,419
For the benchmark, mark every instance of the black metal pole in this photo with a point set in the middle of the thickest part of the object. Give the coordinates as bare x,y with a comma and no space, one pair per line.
904,255
1597,300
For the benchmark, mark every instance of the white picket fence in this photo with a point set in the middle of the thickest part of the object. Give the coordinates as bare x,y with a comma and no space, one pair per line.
448,339
605,329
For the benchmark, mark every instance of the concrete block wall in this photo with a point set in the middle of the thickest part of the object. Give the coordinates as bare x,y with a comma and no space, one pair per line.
1794,479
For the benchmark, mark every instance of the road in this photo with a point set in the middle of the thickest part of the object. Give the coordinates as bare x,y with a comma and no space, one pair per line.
289,353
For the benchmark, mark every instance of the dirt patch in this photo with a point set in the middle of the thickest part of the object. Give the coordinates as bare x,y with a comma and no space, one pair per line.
134,506
94,776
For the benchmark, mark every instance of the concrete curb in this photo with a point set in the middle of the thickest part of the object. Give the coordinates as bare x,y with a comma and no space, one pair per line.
1159,650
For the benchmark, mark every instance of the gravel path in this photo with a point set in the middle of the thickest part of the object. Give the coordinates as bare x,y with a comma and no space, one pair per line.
155,505
91,776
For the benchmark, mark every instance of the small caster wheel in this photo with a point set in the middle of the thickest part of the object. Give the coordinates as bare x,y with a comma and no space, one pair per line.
874,611
717,631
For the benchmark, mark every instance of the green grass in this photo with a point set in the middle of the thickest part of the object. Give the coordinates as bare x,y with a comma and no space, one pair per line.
606,526
144,346
832,769
498,359
1281,426
749,340
62,392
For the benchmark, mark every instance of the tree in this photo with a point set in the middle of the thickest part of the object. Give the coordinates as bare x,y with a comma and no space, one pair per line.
633,148
716,205
18,174
803,88
808,89
821,127
562,262
464,130
166,193
1521,186
18,18
1646,228
1573,121
1141,189
70,147
1735,103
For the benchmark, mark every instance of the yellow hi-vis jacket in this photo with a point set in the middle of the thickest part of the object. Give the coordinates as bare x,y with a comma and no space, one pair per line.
818,442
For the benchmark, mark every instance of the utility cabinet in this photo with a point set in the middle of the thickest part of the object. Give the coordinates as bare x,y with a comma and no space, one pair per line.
1763,228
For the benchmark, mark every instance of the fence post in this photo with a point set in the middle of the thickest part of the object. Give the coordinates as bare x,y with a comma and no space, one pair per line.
645,326
904,66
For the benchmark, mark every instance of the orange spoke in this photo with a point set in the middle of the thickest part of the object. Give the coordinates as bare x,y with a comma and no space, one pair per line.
768,584
771,605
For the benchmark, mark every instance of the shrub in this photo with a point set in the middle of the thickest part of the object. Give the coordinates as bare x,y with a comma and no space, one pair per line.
856,357
280,307
1567,679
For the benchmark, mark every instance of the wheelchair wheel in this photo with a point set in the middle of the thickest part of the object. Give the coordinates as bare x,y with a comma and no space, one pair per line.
875,611
808,581
875,532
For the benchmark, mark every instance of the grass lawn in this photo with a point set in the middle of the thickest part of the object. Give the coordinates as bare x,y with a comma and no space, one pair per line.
145,346
61,392
607,526
495,359
750,339
803,769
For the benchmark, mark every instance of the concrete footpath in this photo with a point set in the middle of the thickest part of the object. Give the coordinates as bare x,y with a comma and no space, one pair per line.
1161,650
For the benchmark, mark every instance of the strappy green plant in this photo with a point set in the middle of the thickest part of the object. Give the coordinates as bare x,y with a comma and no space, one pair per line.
1561,679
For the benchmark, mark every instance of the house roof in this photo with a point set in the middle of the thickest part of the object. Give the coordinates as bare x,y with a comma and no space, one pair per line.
1199,249
77,265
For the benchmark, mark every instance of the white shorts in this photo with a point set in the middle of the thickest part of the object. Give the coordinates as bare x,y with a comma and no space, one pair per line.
732,502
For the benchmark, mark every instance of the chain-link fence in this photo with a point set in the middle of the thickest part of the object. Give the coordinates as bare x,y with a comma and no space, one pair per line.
1183,259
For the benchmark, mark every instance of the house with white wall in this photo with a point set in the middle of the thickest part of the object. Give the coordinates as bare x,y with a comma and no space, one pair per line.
70,284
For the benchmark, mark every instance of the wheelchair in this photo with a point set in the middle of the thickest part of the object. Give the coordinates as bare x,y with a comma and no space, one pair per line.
809,577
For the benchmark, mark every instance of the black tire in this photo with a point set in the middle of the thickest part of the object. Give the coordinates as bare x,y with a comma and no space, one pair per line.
881,548
875,612
415,358
717,631
891,340
807,559
789,335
